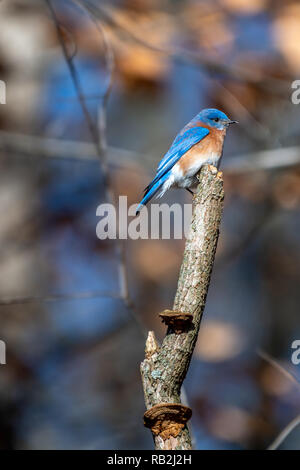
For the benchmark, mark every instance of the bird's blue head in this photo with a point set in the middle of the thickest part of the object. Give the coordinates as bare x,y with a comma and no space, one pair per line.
214,118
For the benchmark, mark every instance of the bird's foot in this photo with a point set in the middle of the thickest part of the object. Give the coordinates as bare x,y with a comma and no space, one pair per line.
213,169
190,191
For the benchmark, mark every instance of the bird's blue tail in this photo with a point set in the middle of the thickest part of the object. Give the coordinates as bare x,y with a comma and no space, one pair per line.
152,191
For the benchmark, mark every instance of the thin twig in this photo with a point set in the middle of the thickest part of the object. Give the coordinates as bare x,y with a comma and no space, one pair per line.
289,375
284,433
110,66
47,147
120,158
74,75
292,378
246,74
58,297
99,137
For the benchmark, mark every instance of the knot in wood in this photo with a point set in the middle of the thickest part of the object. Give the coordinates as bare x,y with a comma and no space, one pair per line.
178,321
167,419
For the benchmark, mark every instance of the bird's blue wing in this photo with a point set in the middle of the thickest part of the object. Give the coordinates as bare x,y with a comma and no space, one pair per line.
182,143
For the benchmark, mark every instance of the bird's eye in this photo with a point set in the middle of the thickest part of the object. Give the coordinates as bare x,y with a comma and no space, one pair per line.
216,119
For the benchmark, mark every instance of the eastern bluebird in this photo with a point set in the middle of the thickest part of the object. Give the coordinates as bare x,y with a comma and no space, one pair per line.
200,142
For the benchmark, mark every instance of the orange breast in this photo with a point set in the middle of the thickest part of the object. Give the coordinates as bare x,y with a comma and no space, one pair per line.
209,148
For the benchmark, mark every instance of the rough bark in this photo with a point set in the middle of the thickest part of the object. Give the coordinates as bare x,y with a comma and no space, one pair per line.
164,368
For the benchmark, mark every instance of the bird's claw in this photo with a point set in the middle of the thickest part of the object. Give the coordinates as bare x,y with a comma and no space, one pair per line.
213,169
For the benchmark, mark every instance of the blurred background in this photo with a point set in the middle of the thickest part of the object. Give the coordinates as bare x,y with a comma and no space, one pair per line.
113,82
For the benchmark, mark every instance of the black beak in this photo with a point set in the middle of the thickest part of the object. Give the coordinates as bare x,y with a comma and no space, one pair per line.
233,122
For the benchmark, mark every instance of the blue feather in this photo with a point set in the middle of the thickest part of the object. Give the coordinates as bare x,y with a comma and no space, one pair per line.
152,191
182,143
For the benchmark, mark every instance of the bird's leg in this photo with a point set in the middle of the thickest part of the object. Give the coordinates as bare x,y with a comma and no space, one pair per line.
213,169
190,191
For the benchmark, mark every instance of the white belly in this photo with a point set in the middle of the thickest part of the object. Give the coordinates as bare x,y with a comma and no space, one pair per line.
188,178
185,179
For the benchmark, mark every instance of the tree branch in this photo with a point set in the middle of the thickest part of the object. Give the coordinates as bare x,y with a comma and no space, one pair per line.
164,369
237,72
284,157
285,433
74,76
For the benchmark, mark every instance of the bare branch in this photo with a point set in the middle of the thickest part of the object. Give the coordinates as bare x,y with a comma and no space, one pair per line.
110,65
164,370
246,74
264,160
266,357
45,147
58,297
285,433
74,75
70,149
99,138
